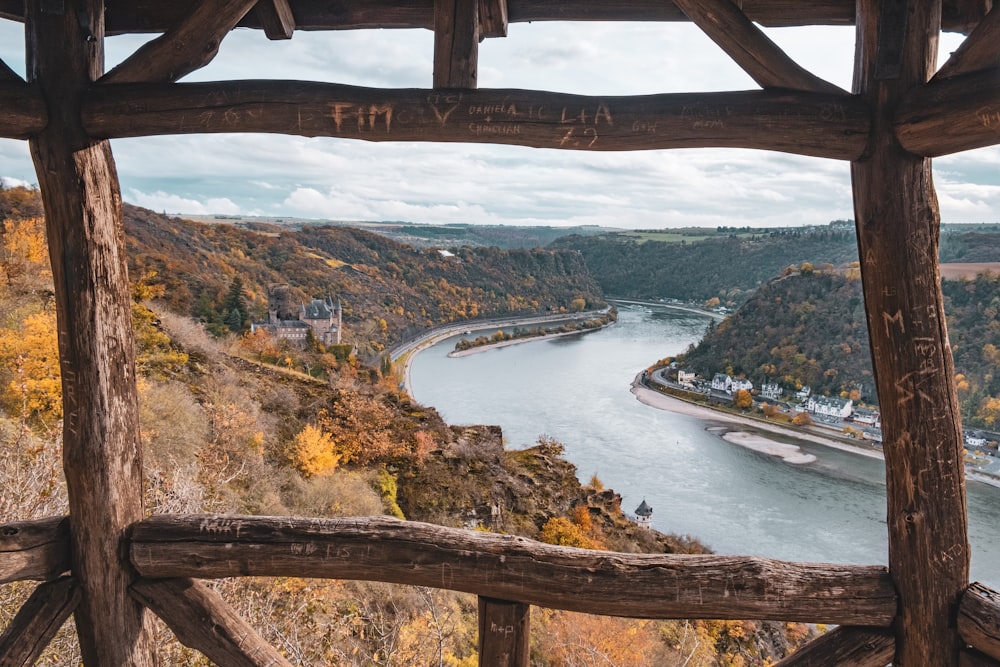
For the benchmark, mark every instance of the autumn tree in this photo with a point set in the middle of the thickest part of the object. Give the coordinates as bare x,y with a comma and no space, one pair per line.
30,356
24,255
743,399
802,419
313,452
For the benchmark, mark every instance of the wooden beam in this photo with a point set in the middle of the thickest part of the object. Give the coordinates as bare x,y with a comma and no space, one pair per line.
187,47
37,622
898,227
726,25
512,568
7,75
504,633
846,646
979,50
971,658
456,43
34,549
86,238
979,619
951,115
834,126
132,16
492,18
276,18
202,620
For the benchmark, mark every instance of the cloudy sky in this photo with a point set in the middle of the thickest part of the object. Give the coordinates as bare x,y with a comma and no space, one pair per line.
350,180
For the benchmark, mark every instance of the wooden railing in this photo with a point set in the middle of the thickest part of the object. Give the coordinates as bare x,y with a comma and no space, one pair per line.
508,574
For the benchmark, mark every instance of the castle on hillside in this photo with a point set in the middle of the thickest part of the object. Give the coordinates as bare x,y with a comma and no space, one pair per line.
322,317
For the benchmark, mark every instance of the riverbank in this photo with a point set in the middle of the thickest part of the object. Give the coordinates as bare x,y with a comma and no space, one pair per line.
526,339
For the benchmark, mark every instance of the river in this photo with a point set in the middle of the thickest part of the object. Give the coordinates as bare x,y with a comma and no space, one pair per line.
736,501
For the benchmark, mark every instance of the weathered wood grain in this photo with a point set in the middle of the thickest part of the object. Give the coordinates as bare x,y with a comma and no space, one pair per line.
189,46
846,646
898,226
83,218
979,50
950,115
37,622
512,568
202,620
979,619
34,549
834,126
22,110
456,43
972,658
492,18
750,48
504,633
276,18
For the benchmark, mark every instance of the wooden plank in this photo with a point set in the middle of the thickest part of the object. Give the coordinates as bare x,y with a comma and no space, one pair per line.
157,16
202,620
185,48
951,115
82,201
492,18
34,549
846,646
750,48
898,225
456,43
512,568
504,633
22,110
979,50
276,18
37,622
971,658
979,619
834,126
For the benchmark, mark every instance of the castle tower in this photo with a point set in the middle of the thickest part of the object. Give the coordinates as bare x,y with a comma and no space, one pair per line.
644,515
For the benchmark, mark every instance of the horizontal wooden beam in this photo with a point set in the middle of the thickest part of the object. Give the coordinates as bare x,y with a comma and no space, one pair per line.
952,115
188,46
36,550
979,619
513,568
833,126
130,16
38,621
846,646
22,110
202,620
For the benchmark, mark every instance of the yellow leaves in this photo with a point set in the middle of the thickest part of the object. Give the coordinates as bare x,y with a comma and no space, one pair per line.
31,357
563,532
312,452
24,256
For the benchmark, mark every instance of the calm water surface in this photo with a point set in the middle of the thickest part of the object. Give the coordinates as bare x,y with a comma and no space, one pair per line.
576,389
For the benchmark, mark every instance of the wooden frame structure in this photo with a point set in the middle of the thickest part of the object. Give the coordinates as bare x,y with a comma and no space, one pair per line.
901,113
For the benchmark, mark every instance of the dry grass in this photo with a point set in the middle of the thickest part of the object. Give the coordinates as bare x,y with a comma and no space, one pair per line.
969,270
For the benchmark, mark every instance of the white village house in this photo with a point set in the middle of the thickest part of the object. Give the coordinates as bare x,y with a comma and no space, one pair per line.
830,406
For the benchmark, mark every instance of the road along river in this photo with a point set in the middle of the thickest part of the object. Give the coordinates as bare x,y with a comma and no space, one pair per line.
696,472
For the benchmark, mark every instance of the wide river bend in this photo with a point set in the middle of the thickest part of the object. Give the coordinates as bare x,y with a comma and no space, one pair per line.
735,500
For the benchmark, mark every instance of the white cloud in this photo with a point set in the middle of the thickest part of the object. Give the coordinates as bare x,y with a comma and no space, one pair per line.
11,182
171,203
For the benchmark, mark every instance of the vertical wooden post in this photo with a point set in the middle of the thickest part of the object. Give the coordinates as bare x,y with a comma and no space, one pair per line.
456,43
898,228
80,192
504,633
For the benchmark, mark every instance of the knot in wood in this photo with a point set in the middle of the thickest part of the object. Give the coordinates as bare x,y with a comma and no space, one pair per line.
8,531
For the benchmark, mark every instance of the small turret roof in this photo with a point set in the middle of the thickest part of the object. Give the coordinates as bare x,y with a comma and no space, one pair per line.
643,509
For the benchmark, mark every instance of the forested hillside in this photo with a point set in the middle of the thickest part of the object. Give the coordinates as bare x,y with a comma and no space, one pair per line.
389,290
222,433
808,328
729,269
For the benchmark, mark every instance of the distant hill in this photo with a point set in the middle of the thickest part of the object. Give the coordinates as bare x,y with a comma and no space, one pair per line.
808,328
389,290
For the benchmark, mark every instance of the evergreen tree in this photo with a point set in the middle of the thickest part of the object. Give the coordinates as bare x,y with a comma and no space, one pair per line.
235,306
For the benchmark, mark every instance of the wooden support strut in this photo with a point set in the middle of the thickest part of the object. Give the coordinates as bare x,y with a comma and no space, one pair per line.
504,633
834,126
276,18
83,219
979,50
512,568
189,46
37,622
979,620
202,620
726,25
898,227
846,646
